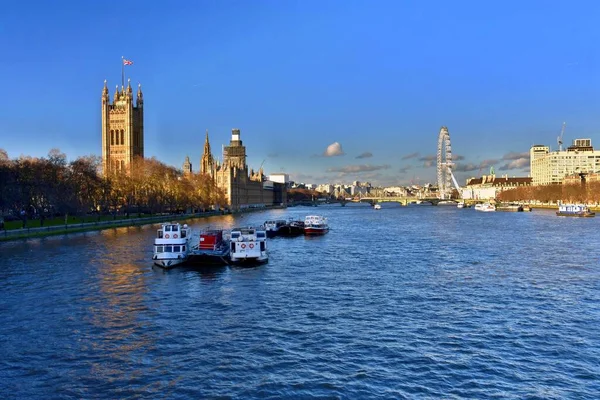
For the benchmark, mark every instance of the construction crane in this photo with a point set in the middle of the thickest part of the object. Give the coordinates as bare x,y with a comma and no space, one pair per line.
560,138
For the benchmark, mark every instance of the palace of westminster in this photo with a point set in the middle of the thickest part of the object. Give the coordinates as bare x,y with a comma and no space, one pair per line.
123,141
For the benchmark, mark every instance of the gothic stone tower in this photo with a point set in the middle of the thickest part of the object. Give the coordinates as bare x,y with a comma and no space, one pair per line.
122,129
235,154
187,166
207,163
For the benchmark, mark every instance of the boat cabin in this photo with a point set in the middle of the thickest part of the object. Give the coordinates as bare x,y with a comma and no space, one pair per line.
211,240
172,231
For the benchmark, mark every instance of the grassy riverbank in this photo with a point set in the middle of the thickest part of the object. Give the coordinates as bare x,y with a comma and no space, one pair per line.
59,226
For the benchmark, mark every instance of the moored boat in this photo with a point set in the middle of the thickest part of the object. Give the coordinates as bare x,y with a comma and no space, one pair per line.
292,228
509,207
272,227
377,207
213,248
446,203
574,210
461,205
315,225
248,245
485,207
172,245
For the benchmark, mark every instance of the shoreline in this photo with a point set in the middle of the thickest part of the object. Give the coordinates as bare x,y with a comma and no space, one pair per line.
27,233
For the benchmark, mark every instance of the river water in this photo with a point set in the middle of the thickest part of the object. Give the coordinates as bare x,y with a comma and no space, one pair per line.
404,302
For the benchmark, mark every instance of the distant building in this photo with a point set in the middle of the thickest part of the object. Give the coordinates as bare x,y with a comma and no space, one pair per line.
325,188
395,191
243,188
549,168
122,128
280,178
576,178
488,186
187,166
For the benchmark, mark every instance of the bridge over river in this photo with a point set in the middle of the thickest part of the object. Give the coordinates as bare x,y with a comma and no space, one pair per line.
371,200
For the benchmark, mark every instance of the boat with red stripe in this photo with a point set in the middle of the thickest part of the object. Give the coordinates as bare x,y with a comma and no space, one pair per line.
315,225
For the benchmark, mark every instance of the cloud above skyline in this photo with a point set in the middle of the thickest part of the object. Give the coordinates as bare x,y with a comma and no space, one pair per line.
366,154
411,155
428,161
357,169
334,150
515,156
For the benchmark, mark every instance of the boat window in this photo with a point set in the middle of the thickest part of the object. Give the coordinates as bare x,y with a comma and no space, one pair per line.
176,249
235,235
167,228
160,234
159,249
168,249
260,234
183,233
174,228
182,248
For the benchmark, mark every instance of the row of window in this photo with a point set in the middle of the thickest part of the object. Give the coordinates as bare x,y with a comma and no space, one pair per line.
119,165
170,249
114,134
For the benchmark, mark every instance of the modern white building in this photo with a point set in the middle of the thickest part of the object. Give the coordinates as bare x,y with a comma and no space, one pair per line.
280,178
551,167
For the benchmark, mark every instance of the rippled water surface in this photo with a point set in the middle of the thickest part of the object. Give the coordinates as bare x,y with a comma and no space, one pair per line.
404,302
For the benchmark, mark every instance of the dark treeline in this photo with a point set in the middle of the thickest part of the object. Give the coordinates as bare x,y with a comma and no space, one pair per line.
52,186
570,193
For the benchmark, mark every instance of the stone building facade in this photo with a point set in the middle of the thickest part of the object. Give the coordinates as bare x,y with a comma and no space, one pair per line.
243,188
122,128
488,186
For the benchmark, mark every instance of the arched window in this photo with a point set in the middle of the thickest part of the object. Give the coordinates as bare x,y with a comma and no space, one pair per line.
122,136
122,165
112,137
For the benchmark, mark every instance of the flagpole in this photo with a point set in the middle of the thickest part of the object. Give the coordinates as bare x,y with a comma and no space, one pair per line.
122,71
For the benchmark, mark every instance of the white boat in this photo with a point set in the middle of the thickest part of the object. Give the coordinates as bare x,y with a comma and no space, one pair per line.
272,227
172,244
422,203
460,205
248,245
315,225
574,210
446,203
485,207
377,207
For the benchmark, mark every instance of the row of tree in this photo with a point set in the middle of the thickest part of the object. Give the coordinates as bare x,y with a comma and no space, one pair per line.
50,185
569,193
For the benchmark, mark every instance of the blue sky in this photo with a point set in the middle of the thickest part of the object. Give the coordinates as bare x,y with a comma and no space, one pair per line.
379,78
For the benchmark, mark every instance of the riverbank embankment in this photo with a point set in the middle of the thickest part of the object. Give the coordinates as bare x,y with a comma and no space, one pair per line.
25,233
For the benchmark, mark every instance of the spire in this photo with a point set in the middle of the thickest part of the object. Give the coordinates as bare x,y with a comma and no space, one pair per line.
207,161
129,86
105,92
117,93
206,144
140,97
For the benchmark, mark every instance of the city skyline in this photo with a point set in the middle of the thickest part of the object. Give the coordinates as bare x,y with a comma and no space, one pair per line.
339,91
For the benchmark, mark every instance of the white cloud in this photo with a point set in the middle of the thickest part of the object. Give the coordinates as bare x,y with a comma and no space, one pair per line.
333,150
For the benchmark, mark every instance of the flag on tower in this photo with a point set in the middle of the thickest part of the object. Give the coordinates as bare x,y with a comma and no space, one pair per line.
127,62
